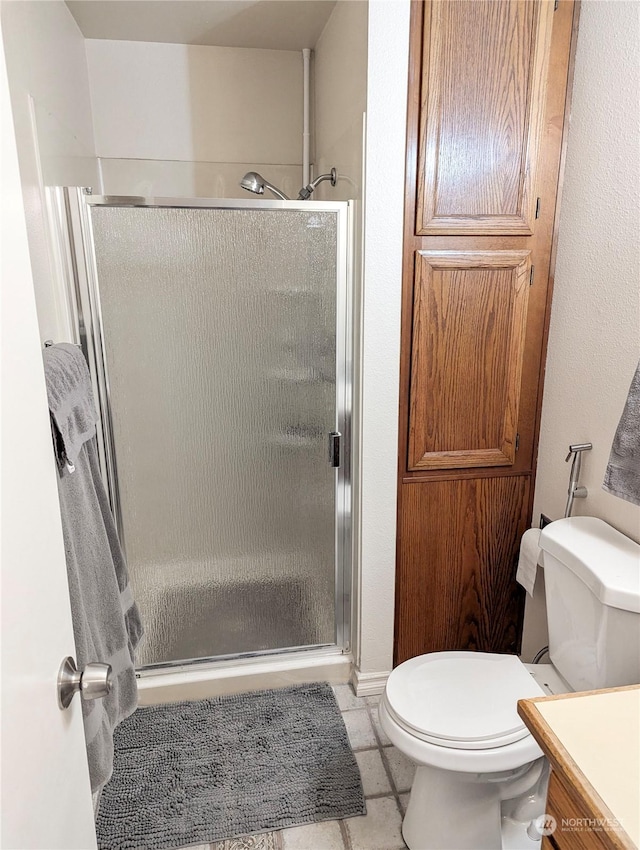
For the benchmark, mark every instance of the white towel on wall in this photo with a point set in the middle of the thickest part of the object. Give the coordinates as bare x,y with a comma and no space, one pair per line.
529,559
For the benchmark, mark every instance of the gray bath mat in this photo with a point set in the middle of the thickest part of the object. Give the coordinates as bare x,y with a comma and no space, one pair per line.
197,772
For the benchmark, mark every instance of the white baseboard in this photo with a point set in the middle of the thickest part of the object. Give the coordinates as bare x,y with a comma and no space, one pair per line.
369,684
203,682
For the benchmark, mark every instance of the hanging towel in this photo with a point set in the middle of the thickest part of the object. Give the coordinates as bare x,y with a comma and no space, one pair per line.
529,559
106,622
622,476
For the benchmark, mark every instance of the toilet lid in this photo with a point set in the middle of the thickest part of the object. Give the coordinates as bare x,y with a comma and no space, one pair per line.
464,700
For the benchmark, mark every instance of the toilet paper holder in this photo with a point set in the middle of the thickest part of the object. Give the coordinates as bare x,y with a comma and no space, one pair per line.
576,490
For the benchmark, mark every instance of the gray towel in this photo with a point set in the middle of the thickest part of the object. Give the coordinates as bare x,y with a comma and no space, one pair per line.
106,622
622,477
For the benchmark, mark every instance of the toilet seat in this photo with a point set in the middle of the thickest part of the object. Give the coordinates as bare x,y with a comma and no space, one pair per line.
461,700
509,757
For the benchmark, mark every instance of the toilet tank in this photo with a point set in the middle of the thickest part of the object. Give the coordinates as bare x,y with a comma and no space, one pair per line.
592,588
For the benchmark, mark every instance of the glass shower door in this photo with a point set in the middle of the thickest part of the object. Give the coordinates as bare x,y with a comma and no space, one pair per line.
219,339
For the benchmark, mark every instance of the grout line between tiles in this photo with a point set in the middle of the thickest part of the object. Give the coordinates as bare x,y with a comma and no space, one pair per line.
379,795
396,794
380,745
346,838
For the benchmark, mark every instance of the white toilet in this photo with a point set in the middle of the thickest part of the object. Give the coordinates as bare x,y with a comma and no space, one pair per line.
481,778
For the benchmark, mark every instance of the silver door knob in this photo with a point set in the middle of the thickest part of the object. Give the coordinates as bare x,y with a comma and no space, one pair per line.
93,682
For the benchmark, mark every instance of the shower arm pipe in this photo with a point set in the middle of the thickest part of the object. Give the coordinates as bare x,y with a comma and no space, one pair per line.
306,136
305,193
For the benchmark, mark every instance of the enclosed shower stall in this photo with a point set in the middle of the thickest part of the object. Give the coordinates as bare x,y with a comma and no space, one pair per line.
218,338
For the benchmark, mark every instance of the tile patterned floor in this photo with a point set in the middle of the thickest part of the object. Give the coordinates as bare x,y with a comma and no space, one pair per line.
386,778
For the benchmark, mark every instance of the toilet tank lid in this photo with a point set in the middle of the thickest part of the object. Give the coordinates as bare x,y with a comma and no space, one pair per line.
600,556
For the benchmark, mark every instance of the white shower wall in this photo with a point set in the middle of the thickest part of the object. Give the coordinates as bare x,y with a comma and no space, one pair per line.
340,96
185,120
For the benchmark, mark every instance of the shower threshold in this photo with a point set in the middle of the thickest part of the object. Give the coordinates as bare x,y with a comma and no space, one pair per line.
209,678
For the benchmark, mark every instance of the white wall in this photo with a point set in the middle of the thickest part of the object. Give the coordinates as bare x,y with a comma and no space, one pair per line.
388,52
340,88
594,341
49,85
198,117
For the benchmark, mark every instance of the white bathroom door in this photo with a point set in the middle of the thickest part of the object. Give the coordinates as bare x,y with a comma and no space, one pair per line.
46,796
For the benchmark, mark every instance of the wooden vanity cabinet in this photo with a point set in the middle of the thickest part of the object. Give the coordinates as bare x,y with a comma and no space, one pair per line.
562,806
488,89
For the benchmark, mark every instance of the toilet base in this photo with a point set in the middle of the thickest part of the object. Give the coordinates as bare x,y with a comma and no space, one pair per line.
435,819
515,836
456,811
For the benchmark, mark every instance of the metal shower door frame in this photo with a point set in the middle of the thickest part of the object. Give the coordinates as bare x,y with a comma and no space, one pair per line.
70,220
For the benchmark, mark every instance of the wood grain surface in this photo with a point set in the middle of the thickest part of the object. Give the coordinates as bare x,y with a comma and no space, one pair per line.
470,313
456,566
562,805
484,77
450,621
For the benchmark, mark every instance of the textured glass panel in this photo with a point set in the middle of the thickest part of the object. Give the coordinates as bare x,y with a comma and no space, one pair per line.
219,331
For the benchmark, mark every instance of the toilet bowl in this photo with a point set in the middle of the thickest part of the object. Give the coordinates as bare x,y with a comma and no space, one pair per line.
481,779
454,715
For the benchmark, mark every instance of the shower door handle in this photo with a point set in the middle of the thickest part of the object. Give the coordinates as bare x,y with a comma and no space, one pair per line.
334,448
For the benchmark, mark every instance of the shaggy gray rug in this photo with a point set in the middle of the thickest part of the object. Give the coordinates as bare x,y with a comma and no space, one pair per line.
197,772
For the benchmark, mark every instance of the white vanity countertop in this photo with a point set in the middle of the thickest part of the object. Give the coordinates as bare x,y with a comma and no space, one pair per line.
600,733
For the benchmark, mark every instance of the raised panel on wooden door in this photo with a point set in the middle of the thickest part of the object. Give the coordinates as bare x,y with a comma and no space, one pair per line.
483,90
469,323
455,586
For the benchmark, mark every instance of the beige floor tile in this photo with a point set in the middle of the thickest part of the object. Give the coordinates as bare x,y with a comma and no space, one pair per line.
404,802
359,728
379,829
384,738
374,776
262,841
346,698
402,769
313,836
374,700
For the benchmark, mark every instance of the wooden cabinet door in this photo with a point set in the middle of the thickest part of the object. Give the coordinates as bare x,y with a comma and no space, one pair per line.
483,84
488,84
458,544
469,324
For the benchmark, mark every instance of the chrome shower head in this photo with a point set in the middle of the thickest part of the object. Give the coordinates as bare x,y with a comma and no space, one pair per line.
254,182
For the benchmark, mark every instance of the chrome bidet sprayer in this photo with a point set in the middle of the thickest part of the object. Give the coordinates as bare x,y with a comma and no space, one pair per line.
575,491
